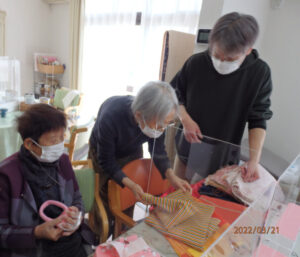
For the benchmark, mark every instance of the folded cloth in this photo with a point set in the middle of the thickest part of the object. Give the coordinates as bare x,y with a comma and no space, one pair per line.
181,217
217,193
219,178
132,246
184,250
229,180
225,211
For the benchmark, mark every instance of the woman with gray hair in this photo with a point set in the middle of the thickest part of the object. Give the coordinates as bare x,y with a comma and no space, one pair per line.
123,124
222,89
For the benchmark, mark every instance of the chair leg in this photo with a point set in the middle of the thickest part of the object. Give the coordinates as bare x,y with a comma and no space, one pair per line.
91,221
118,228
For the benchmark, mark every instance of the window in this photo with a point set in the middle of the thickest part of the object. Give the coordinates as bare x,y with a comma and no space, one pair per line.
119,56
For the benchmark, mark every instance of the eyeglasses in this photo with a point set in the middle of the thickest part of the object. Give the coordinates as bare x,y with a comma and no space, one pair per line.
163,127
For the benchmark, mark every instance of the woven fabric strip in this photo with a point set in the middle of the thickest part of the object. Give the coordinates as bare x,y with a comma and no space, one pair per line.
181,217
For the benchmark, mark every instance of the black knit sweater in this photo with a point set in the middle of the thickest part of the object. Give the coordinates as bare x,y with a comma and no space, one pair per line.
223,104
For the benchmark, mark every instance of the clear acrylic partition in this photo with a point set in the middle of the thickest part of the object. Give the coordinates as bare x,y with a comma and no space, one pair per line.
205,158
9,82
283,217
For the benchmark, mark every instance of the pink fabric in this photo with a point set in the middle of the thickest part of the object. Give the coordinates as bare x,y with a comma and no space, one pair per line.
265,251
229,179
289,223
220,177
132,246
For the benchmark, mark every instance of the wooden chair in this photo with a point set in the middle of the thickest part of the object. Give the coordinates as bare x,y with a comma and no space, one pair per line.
121,199
88,182
73,109
78,143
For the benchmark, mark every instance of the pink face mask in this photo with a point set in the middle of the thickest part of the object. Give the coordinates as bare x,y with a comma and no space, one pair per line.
62,224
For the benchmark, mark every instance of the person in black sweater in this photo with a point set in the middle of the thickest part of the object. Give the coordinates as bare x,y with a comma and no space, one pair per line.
123,124
223,88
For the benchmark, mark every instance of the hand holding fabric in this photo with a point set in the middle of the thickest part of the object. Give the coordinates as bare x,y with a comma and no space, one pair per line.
137,191
135,188
177,182
250,172
71,222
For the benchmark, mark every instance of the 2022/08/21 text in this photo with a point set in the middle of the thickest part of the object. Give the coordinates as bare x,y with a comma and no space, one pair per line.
256,229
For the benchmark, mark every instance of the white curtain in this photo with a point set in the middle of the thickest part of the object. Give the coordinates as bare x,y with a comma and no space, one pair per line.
119,54
77,15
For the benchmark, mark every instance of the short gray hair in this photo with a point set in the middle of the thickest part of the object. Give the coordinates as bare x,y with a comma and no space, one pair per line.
155,100
234,33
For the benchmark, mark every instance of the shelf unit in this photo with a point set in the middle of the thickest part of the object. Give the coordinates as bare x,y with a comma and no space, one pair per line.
47,79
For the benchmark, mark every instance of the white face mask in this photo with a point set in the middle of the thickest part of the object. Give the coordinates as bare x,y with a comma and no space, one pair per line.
153,133
49,153
225,67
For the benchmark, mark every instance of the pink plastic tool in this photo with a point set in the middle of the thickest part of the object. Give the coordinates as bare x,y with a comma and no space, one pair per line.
62,206
48,203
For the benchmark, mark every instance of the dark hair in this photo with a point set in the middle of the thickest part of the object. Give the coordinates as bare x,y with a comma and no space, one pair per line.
234,33
40,119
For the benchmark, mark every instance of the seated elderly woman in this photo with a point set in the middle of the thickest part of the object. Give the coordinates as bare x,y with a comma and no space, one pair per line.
123,124
37,173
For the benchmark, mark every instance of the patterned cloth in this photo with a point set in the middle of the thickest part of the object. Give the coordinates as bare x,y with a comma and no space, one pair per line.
181,217
184,250
229,180
132,246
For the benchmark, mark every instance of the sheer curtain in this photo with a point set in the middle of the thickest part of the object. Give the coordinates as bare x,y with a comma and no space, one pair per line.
123,42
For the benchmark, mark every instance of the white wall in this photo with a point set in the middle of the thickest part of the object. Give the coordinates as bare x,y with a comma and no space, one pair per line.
280,48
59,22
211,10
258,8
34,26
26,32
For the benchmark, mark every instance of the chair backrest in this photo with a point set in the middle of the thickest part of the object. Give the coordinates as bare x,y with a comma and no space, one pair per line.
83,138
142,172
78,144
59,96
177,48
86,182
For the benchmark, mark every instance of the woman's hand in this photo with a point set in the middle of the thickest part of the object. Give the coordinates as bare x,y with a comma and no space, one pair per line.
250,173
191,131
177,182
135,188
70,221
137,191
49,230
